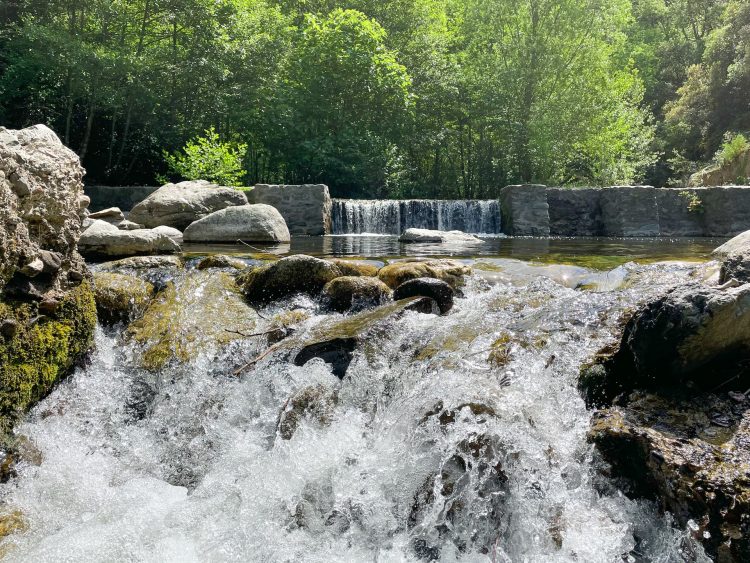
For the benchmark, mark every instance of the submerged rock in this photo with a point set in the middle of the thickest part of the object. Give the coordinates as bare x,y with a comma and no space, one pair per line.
248,223
178,205
355,293
428,236
104,239
142,263
435,289
314,403
221,261
203,311
693,456
286,277
121,297
450,271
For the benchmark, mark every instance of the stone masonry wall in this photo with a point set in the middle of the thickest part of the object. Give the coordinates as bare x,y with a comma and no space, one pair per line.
306,208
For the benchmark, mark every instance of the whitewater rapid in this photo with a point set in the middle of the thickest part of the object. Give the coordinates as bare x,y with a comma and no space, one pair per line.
188,465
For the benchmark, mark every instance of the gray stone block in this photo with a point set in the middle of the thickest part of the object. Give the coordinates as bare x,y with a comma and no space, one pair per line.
305,208
525,210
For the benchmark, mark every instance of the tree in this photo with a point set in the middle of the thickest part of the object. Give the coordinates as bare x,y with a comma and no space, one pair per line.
208,158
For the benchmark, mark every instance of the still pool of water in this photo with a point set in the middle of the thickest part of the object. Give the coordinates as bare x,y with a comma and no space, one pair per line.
597,253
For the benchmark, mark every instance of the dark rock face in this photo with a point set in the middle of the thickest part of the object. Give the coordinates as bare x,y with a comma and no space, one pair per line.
313,403
286,277
355,293
438,290
338,352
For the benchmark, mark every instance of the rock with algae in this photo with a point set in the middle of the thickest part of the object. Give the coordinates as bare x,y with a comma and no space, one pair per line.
120,297
201,311
355,293
450,271
287,277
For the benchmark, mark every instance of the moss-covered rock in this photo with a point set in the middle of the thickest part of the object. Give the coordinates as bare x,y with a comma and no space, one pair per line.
42,348
221,261
355,267
201,311
289,276
121,297
450,271
355,293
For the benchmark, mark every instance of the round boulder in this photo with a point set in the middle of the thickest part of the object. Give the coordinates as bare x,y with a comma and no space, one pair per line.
250,223
178,205
449,271
355,293
286,277
355,267
120,297
221,261
441,292
104,239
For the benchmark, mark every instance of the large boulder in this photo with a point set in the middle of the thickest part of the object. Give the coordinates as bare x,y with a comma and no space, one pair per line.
178,205
204,311
121,297
47,311
428,236
438,290
354,293
104,239
450,271
249,223
692,338
286,277
735,257
355,267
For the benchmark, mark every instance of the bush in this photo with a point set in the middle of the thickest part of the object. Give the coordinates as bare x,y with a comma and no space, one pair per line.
733,146
208,158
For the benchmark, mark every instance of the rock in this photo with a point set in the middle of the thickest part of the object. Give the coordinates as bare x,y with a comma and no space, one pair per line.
142,263
171,232
178,205
355,293
306,208
202,312
314,403
111,215
525,211
735,268
355,267
693,456
738,244
435,289
427,236
125,226
120,297
48,319
716,175
104,239
286,277
248,223
335,342
221,261
450,271
692,338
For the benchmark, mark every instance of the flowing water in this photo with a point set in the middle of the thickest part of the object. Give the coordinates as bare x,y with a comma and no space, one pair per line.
456,438
394,216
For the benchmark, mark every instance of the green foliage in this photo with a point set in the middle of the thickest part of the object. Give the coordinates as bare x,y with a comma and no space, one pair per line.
734,145
694,203
208,158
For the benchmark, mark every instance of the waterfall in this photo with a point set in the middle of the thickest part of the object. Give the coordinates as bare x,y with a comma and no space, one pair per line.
392,217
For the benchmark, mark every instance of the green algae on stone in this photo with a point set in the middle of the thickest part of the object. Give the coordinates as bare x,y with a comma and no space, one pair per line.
449,271
120,297
201,311
42,349
355,267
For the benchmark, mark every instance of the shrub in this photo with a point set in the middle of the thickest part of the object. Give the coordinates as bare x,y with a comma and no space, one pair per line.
733,146
694,203
208,158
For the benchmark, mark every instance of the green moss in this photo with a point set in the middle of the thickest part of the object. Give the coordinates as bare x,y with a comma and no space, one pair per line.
120,297
42,350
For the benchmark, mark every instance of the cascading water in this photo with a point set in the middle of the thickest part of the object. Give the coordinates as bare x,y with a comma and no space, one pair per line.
456,438
394,216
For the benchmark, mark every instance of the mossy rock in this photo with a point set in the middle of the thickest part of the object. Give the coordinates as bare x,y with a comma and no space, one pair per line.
200,311
120,297
221,261
39,350
142,263
355,267
355,293
450,271
286,277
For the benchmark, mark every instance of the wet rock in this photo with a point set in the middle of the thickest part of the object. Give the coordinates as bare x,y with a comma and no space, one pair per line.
12,522
693,456
248,223
355,293
315,403
142,263
428,236
19,450
335,342
449,271
104,239
286,277
221,261
202,312
120,297
355,267
691,339
178,205
435,289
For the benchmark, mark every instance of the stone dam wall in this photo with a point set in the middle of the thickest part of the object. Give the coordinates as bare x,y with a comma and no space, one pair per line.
526,210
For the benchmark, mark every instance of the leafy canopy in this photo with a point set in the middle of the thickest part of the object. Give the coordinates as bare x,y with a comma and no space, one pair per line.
208,158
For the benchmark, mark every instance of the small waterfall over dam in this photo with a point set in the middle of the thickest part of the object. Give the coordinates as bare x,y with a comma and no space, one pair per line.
392,217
